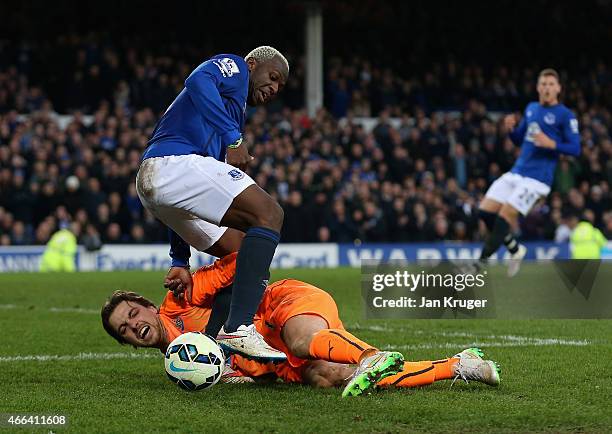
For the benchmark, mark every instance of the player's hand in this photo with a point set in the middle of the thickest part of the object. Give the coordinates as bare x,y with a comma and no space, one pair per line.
239,157
509,122
178,280
541,140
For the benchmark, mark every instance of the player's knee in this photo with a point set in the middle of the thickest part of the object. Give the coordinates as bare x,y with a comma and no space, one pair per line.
277,216
509,214
490,205
488,218
299,347
271,216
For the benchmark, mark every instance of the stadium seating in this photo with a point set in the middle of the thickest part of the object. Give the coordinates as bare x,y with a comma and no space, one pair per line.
415,173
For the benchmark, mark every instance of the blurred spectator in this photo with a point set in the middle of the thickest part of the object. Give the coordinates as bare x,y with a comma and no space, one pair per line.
91,239
112,235
137,234
586,241
61,250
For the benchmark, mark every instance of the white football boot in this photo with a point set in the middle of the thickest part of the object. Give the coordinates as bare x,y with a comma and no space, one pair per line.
247,342
514,263
472,366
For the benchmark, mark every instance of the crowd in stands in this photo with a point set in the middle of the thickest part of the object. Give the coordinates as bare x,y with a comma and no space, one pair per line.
418,175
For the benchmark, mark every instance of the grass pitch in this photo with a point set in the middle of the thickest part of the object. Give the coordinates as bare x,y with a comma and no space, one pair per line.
55,358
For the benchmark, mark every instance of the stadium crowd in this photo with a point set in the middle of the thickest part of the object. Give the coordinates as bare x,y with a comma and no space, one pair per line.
416,175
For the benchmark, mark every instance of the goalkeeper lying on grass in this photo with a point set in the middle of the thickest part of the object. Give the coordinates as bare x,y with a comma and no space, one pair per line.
294,317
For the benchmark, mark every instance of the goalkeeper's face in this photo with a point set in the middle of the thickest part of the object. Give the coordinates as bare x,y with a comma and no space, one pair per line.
136,324
548,89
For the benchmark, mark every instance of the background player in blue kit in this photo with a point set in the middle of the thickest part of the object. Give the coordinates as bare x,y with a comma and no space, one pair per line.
546,130
191,178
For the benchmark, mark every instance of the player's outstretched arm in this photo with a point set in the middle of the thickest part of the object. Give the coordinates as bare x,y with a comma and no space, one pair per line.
516,133
178,280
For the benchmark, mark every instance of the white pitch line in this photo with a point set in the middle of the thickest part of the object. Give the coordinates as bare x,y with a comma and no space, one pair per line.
514,338
79,357
498,344
151,355
504,340
53,309
73,310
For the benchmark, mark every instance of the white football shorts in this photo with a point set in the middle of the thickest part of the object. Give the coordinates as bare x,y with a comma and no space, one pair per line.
190,194
519,191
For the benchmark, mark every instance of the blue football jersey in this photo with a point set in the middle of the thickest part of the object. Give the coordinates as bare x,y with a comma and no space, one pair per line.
209,112
558,123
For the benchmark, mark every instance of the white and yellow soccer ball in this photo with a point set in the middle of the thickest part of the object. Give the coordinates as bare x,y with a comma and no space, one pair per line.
194,361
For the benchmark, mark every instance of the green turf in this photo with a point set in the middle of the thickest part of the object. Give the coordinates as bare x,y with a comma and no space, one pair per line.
546,386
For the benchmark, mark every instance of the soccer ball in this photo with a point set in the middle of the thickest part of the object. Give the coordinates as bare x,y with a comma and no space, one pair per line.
194,361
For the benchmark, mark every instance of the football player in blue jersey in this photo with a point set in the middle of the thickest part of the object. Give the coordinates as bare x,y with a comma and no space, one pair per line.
546,130
191,178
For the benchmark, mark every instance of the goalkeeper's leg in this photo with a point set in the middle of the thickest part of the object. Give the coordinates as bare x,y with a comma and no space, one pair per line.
309,337
424,373
468,365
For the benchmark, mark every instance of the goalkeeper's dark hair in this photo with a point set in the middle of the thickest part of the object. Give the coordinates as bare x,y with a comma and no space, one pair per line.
111,304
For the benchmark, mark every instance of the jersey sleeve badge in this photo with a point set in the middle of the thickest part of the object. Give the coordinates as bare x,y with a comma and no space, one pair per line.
227,66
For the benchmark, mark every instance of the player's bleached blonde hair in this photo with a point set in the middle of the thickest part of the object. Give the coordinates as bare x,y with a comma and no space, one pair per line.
265,52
